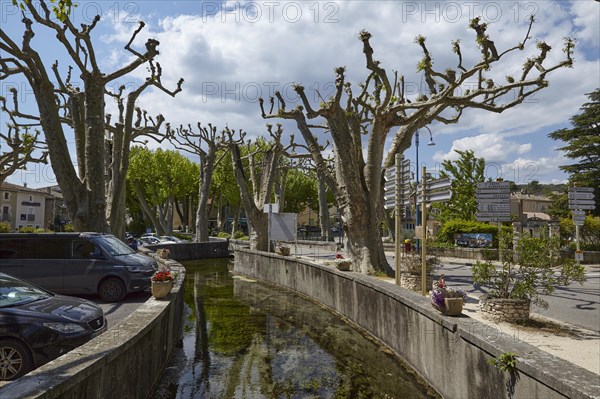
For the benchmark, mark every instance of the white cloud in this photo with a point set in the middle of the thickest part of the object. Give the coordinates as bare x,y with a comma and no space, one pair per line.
491,147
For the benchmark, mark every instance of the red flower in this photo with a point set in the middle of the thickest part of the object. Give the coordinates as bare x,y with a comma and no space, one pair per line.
339,256
162,276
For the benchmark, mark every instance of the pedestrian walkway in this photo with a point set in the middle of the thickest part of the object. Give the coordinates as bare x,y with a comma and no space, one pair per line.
574,344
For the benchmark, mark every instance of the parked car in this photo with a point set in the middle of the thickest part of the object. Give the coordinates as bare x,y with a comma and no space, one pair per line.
77,263
37,326
172,238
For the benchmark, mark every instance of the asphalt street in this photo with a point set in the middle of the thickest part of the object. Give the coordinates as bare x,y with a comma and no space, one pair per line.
575,304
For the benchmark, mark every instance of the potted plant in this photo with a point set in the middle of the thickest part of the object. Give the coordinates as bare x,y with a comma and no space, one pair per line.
411,274
534,267
163,253
341,263
282,249
162,283
448,300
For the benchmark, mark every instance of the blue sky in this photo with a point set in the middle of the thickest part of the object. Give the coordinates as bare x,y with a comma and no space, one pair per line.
230,53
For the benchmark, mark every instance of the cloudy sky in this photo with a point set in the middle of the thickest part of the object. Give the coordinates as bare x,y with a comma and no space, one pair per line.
232,53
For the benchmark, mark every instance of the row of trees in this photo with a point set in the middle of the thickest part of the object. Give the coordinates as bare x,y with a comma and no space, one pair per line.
361,125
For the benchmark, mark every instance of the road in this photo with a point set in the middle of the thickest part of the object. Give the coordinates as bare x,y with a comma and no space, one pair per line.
575,304
115,312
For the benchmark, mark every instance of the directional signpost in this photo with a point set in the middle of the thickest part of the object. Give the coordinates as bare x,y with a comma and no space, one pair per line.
580,200
493,201
396,194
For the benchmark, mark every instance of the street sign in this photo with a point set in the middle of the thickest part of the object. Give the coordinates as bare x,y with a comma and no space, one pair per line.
489,217
581,189
579,256
487,195
582,204
494,184
436,185
435,197
577,213
581,196
493,207
492,201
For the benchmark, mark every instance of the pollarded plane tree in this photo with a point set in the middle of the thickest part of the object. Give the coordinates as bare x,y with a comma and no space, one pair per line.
209,146
381,105
262,159
23,147
79,106
303,162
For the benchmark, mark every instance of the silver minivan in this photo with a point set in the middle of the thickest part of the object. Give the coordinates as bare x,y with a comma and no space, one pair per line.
77,263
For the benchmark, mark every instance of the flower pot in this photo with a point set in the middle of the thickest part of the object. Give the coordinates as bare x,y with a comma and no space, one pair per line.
163,254
504,309
343,266
285,251
454,306
160,289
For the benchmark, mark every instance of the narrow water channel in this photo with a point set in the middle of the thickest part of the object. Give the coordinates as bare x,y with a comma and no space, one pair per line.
244,339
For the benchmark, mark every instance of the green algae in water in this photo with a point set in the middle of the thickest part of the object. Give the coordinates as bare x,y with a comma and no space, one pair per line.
246,339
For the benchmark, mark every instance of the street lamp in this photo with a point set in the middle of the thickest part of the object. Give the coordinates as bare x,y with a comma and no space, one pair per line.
430,143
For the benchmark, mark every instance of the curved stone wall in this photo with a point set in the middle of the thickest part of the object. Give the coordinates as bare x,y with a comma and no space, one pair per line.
124,362
451,353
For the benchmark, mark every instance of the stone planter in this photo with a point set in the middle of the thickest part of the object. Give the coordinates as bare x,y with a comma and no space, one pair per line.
343,266
163,253
160,289
413,281
454,306
284,251
503,309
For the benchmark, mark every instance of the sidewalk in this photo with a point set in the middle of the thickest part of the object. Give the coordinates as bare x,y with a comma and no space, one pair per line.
574,344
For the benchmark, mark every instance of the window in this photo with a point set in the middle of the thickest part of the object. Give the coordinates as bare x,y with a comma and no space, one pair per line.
83,249
23,216
31,198
30,215
6,195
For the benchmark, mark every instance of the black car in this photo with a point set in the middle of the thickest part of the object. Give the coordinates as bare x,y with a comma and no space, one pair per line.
37,326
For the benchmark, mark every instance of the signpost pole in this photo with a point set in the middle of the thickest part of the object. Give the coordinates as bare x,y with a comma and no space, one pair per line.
398,216
424,234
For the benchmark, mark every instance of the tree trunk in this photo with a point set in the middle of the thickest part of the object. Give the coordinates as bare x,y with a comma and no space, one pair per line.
324,211
206,173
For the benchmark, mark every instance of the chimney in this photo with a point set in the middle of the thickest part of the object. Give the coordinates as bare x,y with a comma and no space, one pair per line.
25,184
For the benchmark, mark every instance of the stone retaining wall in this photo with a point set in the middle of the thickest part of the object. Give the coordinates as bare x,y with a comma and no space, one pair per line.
451,353
501,309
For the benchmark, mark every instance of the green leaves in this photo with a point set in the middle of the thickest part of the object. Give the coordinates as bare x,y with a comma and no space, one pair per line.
465,173
582,145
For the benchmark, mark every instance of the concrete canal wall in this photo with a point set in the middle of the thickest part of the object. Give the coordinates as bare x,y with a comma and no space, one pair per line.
451,353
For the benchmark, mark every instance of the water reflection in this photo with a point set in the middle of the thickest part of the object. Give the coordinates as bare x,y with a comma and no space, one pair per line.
244,339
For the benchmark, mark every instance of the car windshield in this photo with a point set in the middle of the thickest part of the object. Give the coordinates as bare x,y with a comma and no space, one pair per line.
114,246
14,292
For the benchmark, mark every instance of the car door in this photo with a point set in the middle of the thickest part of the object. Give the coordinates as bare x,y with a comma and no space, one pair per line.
42,262
84,267
10,263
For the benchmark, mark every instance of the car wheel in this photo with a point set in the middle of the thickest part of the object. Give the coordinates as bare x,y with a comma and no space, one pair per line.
112,290
15,360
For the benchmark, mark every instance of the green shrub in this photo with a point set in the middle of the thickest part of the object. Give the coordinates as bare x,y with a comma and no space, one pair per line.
238,234
534,268
4,227
223,234
69,228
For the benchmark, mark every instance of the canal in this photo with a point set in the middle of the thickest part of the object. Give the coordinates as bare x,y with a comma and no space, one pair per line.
244,339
